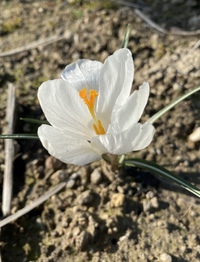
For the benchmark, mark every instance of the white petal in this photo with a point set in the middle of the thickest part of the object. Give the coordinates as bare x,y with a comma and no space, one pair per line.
132,110
115,82
120,143
83,73
64,109
66,148
135,138
145,136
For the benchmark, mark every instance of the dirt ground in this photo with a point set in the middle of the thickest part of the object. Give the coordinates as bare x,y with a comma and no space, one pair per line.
130,214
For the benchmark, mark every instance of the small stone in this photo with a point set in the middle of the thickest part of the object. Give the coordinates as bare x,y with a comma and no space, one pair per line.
59,175
176,86
75,176
95,176
151,217
183,248
117,200
162,223
115,229
150,194
195,136
164,257
104,55
193,213
85,198
154,41
146,205
120,189
53,163
70,183
110,231
154,202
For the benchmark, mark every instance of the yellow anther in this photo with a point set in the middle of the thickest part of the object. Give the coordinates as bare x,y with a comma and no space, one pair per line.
90,102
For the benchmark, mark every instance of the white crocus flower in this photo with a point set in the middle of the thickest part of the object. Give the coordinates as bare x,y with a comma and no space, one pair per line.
91,111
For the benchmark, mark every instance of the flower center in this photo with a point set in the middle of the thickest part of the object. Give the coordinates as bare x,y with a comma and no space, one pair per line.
90,102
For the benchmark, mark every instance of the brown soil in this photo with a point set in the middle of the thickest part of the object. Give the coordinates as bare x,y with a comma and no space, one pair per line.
127,215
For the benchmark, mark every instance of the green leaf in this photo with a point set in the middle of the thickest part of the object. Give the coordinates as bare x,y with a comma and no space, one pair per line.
172,104
34,121
19,136
126,37
154,168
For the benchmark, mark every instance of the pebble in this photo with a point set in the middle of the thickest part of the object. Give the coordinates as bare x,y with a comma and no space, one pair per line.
195,136
146,205
85,198
95,176
117,200
120,189
162,223
176,86
75,176
183,248
53,163
70,183
151,217
150,194
151,201
59,175
154,202
164,257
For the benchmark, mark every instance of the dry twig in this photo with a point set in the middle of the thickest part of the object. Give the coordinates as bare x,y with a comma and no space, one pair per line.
153,24
33,45
9,152
31,206
150,22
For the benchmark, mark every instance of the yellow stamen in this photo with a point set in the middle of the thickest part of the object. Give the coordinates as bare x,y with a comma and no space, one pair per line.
91,101
98,127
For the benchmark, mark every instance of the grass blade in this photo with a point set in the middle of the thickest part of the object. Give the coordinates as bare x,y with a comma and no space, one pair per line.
154,168
19,136
34,121
126,37
172,104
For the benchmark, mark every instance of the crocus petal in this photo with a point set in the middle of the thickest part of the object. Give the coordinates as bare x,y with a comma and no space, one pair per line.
64,109
115,82
131,111
66,148
145,137
135,138
120,143
83,73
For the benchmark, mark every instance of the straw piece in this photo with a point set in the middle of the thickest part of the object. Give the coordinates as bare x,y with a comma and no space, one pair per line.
9,152
32,205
